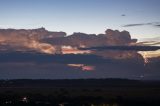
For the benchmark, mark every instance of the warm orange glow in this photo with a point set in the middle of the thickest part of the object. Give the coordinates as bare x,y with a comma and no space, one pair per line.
83,67
145,58
2,39
42,47
73,50
149,43
88,68
28,43
149,54
75,65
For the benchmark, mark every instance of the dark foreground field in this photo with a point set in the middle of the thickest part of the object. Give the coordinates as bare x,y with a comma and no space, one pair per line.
80,92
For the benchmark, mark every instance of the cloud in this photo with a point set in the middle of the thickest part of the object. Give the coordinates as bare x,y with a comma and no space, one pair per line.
83,67
36,65
48,58
62,71
149,43
38,53
123,15
142,24
28,40
157,25
111,37
124,48
43,41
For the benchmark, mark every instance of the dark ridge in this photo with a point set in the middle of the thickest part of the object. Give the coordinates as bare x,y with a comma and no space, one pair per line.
77,83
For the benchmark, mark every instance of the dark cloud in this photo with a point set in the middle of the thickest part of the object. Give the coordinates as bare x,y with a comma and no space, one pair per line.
152,69
157,25
142,24
123,15
63,71
36,65
124,48
47,58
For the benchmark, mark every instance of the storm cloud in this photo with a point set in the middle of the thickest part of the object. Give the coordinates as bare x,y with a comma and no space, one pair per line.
36,65
38,53
43,41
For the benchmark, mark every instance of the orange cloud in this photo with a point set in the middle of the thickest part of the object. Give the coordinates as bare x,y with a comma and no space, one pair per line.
88,68
73,50
83,67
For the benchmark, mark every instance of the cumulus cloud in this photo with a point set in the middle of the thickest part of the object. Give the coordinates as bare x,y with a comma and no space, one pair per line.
113,53
27,40
41,40
116,37
111,37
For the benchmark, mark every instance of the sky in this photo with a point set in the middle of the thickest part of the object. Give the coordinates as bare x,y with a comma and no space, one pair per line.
140,17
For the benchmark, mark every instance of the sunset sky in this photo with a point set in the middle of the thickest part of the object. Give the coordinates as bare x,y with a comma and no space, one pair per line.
37,39
140,17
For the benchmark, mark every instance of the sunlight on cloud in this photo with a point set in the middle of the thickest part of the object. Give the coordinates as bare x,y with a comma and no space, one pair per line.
149,54
73,50
82,67
42,47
